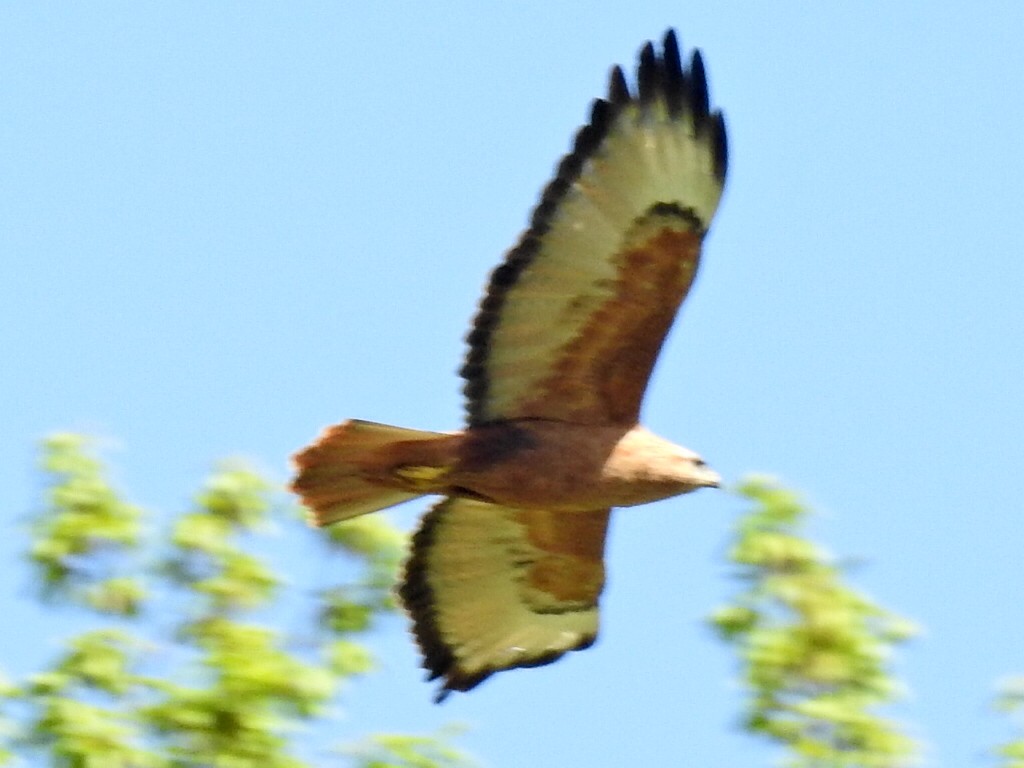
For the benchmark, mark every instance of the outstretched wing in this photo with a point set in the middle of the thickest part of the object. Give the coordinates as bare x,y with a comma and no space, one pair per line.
574,318
492,588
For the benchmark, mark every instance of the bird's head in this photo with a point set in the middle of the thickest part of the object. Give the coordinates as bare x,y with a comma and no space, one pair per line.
670,468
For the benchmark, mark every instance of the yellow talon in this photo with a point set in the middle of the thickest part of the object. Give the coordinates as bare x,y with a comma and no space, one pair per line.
421,477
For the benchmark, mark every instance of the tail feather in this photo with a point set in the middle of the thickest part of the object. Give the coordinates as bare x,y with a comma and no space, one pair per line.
338,476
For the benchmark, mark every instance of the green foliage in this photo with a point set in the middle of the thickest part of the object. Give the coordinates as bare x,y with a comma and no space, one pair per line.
188,671
1011,700
814,651
8,728
396,751
207,557
76,718
83,532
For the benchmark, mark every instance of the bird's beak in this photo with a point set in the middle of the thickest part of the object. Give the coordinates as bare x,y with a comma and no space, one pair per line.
710,479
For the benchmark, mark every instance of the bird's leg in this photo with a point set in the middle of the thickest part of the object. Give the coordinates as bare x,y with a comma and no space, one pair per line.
423,479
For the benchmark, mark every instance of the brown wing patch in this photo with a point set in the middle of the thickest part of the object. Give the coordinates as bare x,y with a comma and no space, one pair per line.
491,588
601,375
569,571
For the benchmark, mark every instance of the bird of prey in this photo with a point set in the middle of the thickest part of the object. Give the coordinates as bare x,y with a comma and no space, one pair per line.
506,570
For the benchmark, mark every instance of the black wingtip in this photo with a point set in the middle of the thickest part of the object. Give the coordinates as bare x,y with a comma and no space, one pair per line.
618,90
647,76
442,693
699,100
673,61
674,87
661,75
721,144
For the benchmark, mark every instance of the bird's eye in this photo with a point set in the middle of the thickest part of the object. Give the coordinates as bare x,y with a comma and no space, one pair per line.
699,463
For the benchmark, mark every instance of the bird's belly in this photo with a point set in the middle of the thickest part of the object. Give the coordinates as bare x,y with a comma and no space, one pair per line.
555,492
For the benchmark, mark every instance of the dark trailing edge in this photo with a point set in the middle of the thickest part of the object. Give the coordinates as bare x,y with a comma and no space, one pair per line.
418,599
683,91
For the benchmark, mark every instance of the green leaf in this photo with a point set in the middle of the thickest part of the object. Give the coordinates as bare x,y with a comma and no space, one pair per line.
122,596
1010,699
82,525
348,659
402,751
236,495
812,649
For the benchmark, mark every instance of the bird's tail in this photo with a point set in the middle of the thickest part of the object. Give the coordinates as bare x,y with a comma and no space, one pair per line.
360,467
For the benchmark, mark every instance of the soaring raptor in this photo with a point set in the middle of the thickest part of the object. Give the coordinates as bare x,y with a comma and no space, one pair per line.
506,570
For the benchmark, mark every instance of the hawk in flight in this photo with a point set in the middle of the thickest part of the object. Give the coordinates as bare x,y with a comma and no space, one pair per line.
506,570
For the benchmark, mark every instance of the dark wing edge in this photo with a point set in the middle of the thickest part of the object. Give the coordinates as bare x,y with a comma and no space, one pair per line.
418,598
658,77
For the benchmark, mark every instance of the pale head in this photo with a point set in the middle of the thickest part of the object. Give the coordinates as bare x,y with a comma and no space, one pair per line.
651,468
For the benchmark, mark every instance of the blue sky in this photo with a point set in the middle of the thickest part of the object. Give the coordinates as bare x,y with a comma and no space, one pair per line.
224,226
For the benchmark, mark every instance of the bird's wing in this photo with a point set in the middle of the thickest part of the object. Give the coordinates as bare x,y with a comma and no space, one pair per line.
491,588
573,320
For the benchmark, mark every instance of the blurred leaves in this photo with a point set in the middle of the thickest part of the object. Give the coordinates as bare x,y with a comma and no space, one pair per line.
193,667
84,532
77,719
1011,701
208,558
397,751
814,651
383,546
8,729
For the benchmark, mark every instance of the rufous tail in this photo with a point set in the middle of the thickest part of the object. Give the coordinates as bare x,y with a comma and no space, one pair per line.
351,469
